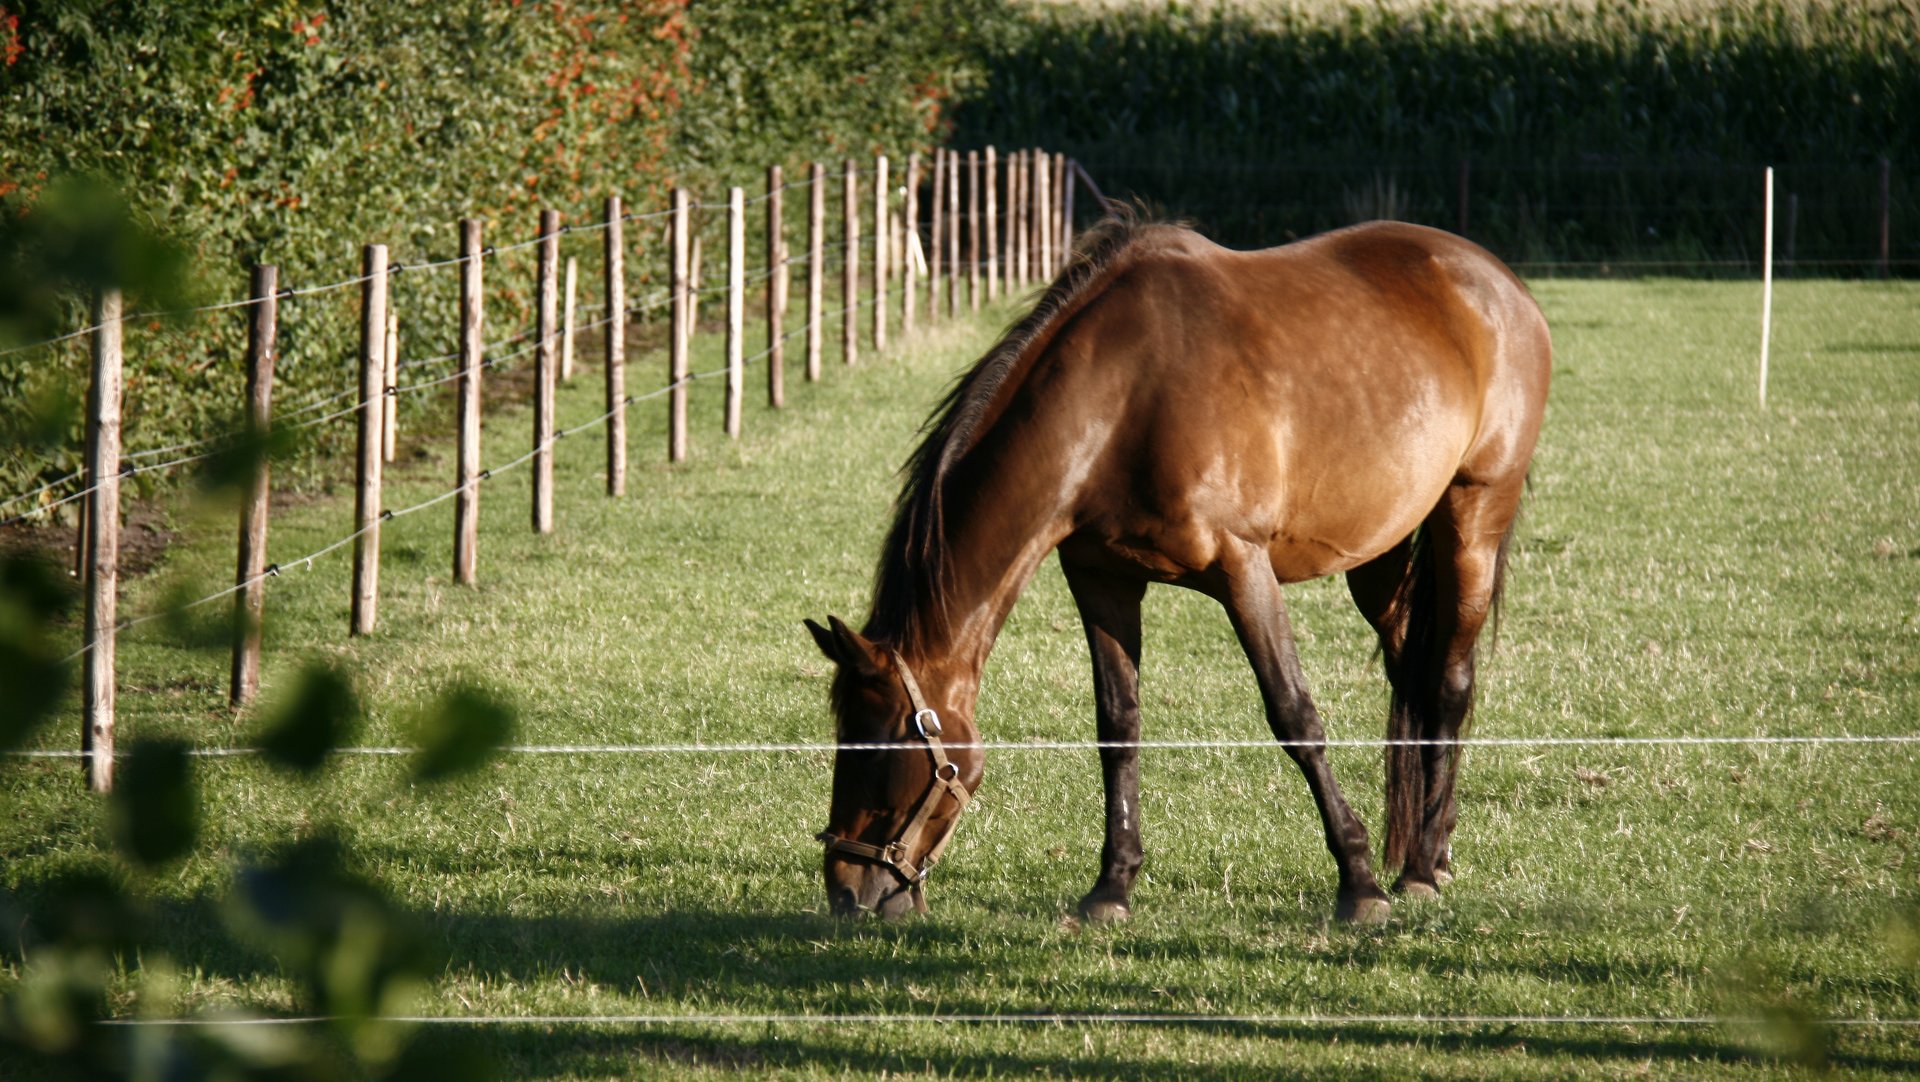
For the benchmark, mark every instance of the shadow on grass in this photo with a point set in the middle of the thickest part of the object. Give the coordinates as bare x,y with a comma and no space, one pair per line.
538,1051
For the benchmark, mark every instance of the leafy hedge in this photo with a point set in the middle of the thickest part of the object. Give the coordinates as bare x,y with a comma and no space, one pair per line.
295,131
1595,130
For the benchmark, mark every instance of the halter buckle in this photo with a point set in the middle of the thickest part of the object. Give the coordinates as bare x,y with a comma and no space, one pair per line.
927,722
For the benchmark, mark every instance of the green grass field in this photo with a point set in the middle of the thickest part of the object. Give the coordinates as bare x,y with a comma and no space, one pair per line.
1688,565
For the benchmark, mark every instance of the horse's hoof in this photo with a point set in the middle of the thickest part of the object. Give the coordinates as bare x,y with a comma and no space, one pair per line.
1414,888
1104,911
1442,877
1368,912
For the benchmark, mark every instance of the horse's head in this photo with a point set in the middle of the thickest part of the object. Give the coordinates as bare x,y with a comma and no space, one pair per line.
897,789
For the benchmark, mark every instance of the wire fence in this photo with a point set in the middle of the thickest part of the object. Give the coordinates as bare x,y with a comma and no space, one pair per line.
1076,1019
1893,740
941,235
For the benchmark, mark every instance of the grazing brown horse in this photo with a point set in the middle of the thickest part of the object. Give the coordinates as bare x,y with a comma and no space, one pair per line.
1365,402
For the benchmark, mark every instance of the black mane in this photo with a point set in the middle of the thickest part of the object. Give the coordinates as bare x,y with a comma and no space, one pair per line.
910,588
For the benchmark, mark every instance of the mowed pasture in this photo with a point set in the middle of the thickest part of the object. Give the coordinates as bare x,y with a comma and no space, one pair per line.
1688,566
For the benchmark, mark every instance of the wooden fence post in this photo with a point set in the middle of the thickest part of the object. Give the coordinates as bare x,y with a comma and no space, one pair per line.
1058,210
973,230
850,266
544,370
263,322
1017,219
677,287
992,247
616,347
390,386
910,221
776,290
882,238
466,506
1043,212
1766,279
816,262
936,237
1066,210
366,497
736,307
953,233
695,272
103,544
566,325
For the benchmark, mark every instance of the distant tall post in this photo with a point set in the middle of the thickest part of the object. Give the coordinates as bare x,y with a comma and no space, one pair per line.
1766,282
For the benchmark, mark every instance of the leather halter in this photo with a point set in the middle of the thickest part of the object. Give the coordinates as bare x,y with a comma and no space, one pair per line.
896,855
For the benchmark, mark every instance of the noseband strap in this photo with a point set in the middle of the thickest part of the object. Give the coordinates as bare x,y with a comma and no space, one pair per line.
896,855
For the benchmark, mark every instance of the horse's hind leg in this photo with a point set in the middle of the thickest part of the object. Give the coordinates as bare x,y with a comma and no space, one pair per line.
1429,604
1110,611
1253,601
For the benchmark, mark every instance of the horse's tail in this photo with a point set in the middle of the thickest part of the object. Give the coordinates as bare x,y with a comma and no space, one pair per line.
1414,677
1408,675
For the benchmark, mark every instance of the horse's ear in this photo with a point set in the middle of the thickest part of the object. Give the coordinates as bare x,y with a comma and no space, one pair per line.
848,647
824,639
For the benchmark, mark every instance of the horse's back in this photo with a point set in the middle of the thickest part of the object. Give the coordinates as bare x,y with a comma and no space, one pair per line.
1324,393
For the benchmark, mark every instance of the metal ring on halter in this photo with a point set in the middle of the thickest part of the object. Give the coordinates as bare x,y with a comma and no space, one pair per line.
949,765
927,722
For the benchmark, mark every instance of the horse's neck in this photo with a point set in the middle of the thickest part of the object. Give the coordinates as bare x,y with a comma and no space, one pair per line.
1002,522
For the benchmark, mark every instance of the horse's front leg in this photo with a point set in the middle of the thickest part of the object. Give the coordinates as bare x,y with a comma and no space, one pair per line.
1110,611
1251,594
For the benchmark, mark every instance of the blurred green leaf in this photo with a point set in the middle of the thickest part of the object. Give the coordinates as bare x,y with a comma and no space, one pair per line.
33,676
317,715
232,465
85,909
79,237
61,993
354,955
459,732
154,810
